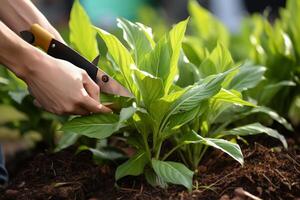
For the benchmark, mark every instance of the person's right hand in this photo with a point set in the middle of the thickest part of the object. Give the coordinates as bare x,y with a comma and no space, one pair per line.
60,87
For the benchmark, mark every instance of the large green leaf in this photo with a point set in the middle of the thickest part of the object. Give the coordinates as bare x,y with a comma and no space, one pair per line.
100,125
95,126
139,38
162,61
173,172
247,77
150,87
188,72
218,61
176,36
230,97
82,34
67,139
160,107
197,93
153,179
275,116
268,92
120,56
230,148
254,129
134,166
207,27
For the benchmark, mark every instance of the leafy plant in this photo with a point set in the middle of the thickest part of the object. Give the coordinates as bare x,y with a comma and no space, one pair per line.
276,47
224,110
19,113
161,111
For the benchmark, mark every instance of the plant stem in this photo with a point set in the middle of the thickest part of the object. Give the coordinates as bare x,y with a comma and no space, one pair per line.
147,146
201,155
171,151
197,153
183,158
157,151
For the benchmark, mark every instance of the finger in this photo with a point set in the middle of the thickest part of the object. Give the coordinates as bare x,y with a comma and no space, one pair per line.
37,104
79,111
94,106
91,87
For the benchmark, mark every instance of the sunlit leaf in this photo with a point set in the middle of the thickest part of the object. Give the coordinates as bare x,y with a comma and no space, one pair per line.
82,34
173,172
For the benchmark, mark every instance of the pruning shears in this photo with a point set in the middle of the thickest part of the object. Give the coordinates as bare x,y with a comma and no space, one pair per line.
40,37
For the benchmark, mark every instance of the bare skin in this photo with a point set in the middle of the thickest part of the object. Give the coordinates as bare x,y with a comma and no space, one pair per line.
58,86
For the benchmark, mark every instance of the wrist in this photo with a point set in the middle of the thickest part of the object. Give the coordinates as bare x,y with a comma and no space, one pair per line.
30,59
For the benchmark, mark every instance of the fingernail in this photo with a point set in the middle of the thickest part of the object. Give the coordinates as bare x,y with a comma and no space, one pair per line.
104,109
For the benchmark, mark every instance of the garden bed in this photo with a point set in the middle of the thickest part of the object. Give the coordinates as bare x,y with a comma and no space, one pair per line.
267,173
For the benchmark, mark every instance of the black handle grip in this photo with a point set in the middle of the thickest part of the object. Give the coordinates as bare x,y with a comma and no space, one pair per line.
61,51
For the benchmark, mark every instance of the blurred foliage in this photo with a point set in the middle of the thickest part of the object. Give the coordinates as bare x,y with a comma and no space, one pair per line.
19,113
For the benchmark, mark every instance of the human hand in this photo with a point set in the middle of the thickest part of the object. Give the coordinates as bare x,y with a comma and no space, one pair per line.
61,88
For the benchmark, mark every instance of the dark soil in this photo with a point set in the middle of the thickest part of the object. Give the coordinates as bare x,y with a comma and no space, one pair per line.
267,173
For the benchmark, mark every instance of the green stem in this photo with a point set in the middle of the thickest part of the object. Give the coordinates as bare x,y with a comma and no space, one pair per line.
171,151
157,151
183,158
147,146
201,155
197,153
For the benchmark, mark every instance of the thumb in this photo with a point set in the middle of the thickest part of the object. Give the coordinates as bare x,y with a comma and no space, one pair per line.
94,106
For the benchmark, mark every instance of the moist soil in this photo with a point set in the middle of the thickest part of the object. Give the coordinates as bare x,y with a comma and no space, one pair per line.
268,173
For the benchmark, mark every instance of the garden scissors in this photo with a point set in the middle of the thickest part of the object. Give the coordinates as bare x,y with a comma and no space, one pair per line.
40,37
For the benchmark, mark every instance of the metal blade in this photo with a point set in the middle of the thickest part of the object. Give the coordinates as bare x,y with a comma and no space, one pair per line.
96,60
111,86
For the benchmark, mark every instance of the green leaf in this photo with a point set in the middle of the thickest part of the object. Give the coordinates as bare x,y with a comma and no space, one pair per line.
270,90
160,107
82,34
207,27
110,154
95,126
4,81
197,93
194,50
120,56
247,77
275,116
218,61
153,179
173,172
66,140
230,97
99,126
138,37
188,72
18,95
134,166
230,148
163,60
176,36
254,129
150,87
176,121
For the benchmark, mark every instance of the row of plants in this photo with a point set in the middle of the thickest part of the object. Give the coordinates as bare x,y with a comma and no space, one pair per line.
195,87
189,95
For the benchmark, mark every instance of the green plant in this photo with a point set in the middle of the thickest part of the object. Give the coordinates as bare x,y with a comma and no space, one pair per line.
160,111
223,115
275,46
19,113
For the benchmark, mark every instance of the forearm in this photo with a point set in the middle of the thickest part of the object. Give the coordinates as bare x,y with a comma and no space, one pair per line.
19,15
15,53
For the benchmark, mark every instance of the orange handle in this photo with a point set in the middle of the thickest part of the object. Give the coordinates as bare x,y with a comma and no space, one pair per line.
42,37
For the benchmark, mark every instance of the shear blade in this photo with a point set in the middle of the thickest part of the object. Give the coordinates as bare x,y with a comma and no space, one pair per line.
110,85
